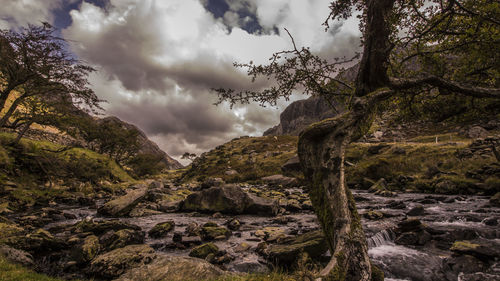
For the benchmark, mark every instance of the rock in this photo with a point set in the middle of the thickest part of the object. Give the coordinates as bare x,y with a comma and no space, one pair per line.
191,241
209,233
413,238
172,268
143,212
160,230
16,256
204,250
231,172
248,265
410,225
40,241
476,132
491,221
279,180
100,227
293,205
373,215
233,224
113,264
177,237
168,206
396,205
193,229
455,265
88,250
270,233
312,243
121,238
210,182
299,114
485,250
495,200
416,211
292,165
156,185
228,199
375,149
261,206
242,247
122,205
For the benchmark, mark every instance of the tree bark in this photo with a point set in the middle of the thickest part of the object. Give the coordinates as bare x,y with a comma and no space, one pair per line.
321,151
322,148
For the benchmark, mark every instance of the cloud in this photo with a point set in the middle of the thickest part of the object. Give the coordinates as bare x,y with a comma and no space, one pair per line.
157,61
15,13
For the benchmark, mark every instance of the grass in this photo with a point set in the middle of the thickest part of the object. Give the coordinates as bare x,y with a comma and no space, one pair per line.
252,159
15,272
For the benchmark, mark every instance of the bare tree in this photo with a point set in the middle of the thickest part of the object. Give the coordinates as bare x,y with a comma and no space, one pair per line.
409,47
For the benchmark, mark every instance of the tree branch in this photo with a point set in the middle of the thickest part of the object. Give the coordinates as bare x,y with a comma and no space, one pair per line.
473,91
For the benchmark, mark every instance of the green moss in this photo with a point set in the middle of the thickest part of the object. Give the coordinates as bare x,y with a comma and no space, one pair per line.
204,250
463,246
251,158
377,273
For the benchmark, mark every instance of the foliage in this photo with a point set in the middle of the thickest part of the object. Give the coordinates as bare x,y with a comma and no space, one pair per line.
40,76
36,162
145,164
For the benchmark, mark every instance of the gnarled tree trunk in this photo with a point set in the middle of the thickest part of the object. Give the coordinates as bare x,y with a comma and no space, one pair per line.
322,149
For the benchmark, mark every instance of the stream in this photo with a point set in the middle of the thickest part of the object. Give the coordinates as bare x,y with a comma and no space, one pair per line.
457,217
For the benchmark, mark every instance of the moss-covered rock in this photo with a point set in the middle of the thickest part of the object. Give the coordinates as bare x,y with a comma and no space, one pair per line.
112,240
162,229
122,205
209,233
312,243
170,268
88,250
100,227
113,264
204,250
228,199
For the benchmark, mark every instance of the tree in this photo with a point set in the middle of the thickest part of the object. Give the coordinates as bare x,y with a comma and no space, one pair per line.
409,48
189,156
35,63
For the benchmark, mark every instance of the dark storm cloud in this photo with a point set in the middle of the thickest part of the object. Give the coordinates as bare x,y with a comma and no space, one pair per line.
158,60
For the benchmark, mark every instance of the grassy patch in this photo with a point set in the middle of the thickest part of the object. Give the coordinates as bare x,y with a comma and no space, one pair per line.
250,157
432,167
14,272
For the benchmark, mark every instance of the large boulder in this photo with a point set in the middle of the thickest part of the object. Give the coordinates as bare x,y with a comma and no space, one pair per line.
115,263
204,250
280,180
122,205
16,256
312,243
88,250
228,199
172,268
101,227
117,239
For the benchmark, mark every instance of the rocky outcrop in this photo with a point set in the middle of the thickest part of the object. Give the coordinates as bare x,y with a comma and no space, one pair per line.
301,113
228,199
312,243
173,268
114,263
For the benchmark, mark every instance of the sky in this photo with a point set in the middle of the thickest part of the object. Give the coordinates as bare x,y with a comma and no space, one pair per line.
157,60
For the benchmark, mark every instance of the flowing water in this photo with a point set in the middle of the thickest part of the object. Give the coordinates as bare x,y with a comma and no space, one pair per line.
463,214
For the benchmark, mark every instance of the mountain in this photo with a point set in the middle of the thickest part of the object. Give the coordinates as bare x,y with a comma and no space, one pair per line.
300,114
146,146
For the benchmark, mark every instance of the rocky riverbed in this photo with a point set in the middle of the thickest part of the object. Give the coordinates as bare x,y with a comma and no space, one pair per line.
410,236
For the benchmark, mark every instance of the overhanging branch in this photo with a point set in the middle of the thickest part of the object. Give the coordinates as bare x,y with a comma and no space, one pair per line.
459,88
